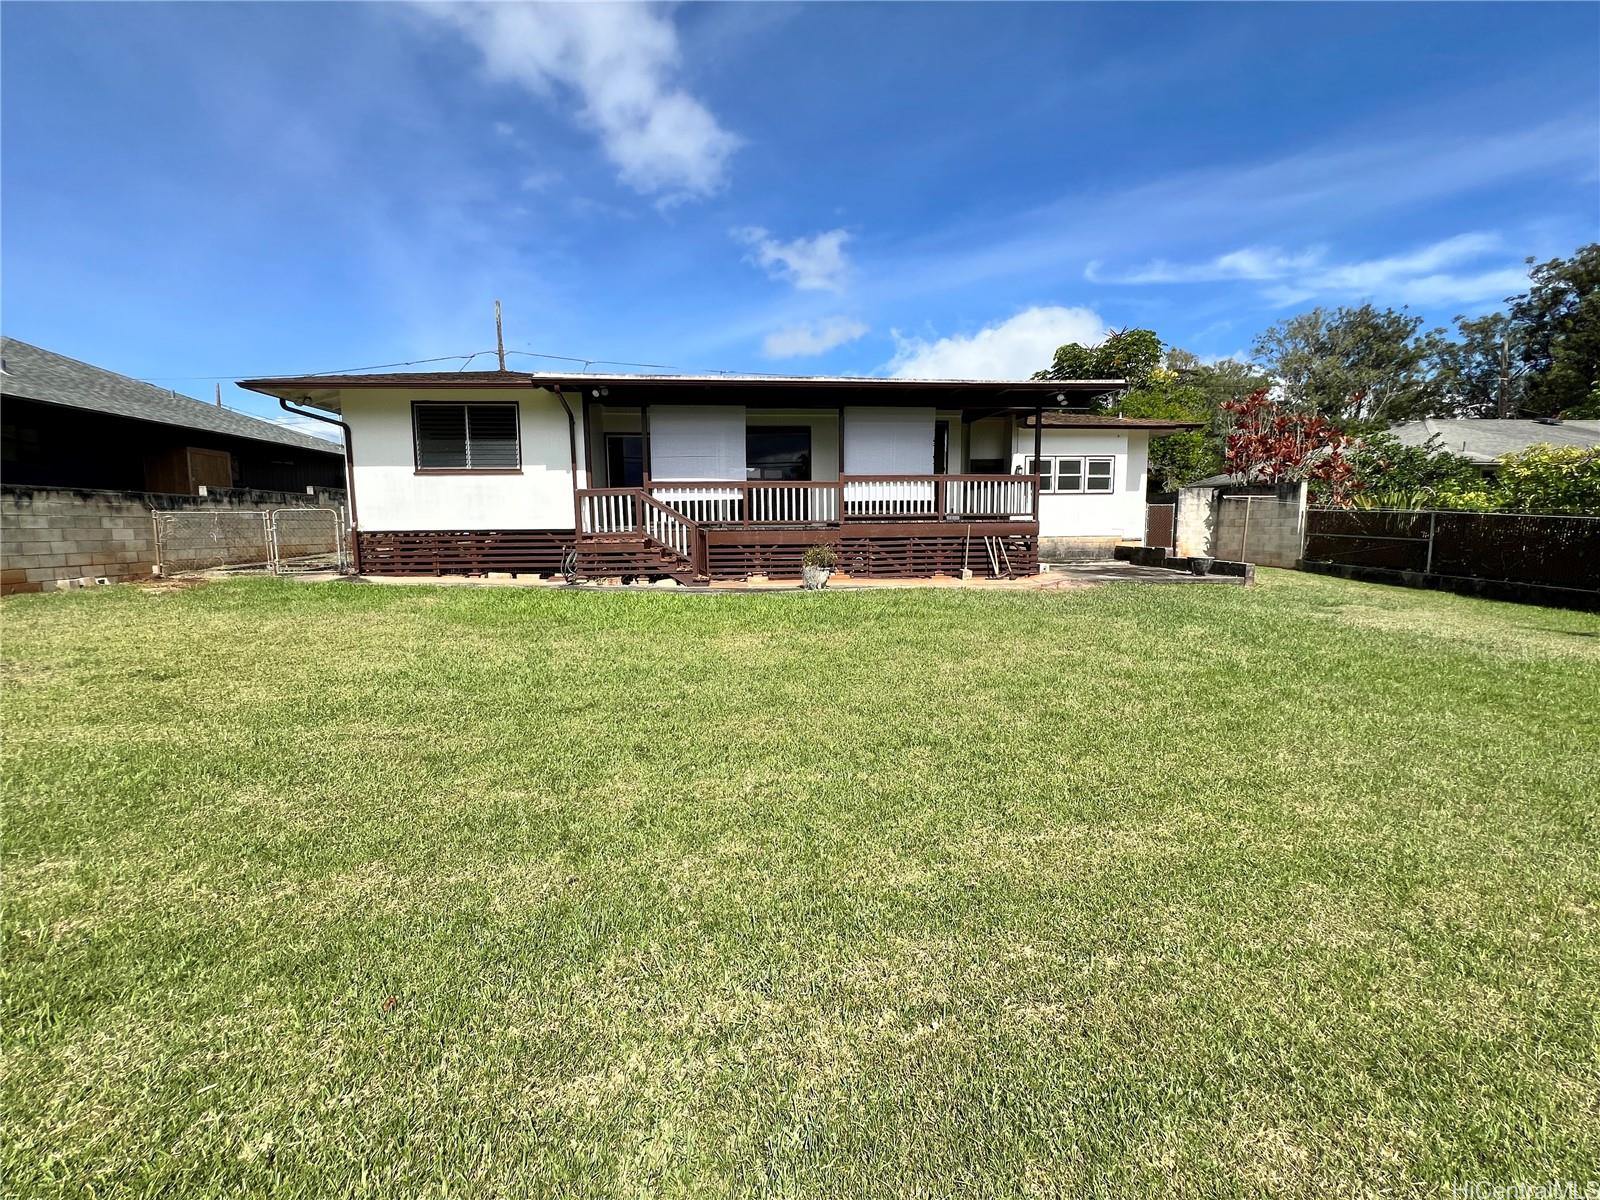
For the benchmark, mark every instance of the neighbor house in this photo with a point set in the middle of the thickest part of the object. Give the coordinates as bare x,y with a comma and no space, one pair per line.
1484,440
722,477
72,425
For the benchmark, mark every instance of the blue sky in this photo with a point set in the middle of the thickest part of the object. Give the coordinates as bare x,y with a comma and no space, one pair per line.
196,190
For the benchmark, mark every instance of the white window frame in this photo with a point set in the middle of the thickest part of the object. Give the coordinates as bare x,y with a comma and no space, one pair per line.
1090,460
1050,478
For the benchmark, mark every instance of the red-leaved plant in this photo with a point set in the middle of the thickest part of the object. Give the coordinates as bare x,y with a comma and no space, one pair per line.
1273,444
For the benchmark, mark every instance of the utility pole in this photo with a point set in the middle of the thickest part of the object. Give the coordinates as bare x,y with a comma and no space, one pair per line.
499,337
1505,374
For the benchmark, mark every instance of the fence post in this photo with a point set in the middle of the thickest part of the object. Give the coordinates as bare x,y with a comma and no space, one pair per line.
1244,534
1427,566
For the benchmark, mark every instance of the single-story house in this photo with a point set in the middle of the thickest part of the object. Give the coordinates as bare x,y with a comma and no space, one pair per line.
72,425
722,476
1483,440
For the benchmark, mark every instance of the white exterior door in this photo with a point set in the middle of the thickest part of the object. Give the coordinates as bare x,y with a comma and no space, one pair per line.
888,441
697,442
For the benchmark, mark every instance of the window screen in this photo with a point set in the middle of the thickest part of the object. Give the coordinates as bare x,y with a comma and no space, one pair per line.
466,437
1069,474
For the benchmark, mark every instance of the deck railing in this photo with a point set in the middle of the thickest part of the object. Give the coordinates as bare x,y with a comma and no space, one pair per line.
758,502
669,511
667,528
609,510
853,498
991,496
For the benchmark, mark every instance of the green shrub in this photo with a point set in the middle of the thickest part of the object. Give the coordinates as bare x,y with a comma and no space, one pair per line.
1551,479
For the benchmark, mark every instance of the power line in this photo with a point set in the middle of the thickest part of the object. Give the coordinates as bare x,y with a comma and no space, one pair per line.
415,362
465,360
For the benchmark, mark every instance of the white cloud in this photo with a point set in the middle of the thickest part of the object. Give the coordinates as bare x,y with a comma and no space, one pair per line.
620,60
1012,349
818,337
1415,277
1252,262
811,264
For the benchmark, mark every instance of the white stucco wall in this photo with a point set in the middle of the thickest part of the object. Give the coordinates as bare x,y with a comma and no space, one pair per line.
1119,513
390,495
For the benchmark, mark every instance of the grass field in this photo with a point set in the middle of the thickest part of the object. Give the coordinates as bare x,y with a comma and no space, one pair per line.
1131,890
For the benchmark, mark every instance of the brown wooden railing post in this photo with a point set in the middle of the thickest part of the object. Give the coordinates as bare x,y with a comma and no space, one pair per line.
938,497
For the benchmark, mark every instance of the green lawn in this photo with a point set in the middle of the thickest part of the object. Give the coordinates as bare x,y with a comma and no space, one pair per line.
1130,890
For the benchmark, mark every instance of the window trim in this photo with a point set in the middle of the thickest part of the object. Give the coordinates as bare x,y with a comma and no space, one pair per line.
1111,475
1050,480
416,441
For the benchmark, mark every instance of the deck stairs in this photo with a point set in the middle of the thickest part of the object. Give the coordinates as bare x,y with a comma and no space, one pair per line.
628,534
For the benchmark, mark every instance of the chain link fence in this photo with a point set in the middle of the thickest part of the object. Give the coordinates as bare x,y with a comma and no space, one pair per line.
275,541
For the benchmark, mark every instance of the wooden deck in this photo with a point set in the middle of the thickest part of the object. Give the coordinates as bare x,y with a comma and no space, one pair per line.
897,526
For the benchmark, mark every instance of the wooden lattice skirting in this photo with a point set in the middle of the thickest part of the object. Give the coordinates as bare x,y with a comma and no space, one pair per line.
904,553
430,552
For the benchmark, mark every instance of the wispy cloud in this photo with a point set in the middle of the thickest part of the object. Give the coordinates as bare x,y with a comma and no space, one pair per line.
815,263
816,337
621,62
1419,276
1250,263
1328,186
1011,349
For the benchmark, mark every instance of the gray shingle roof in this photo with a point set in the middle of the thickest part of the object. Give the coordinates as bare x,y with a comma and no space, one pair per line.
1485,439
33,373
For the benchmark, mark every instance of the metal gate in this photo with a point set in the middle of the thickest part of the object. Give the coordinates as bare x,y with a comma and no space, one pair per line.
274,541
1160,521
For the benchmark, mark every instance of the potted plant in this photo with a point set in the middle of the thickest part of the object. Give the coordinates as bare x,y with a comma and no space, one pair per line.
1200,564
817,565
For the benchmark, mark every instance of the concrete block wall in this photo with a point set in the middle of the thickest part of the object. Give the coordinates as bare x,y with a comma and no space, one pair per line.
1243,525
1268,530
50,536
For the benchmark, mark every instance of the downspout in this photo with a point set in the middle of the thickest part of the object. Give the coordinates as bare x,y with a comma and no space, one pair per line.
572,449
349,474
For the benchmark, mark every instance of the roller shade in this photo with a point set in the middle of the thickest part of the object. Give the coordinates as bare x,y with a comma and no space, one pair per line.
697,442
888,441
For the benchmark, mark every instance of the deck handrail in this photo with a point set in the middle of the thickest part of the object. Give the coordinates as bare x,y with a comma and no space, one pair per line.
947,497
669,529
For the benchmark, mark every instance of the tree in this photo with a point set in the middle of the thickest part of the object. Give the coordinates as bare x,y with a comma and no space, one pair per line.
1560,322
1269,443
1153,390
1482,373
1175,458
1131,355
1355,366
1226,379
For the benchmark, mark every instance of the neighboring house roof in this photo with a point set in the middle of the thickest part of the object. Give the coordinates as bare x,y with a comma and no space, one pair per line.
322,390
1484,439
32,373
